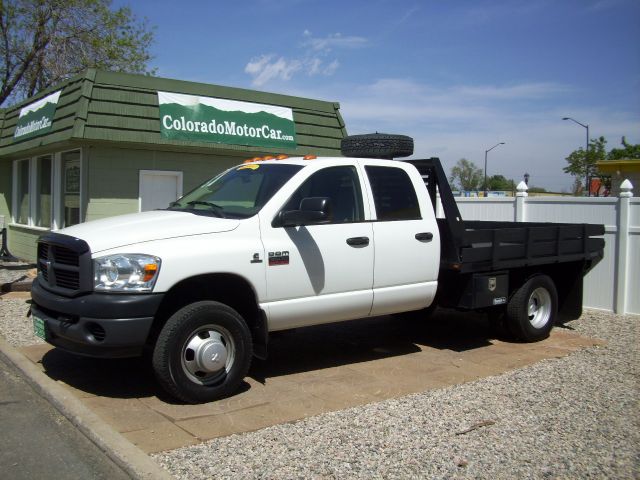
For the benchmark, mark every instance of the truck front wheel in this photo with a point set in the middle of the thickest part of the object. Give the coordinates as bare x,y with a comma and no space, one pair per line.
203,352
532,309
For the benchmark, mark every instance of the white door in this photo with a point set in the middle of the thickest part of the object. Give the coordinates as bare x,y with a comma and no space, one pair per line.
159,188
321,273
406,240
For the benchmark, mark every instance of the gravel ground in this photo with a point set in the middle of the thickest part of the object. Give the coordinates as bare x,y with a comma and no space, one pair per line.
12,272
15,326
574,417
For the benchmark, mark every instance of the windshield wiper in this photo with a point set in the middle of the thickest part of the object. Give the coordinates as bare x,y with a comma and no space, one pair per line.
216,208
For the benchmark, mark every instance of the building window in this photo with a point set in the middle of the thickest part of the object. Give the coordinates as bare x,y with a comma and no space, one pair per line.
47,190
44,200
21,212
71,187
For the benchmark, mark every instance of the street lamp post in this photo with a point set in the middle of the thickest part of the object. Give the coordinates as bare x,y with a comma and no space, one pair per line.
485,167
586,152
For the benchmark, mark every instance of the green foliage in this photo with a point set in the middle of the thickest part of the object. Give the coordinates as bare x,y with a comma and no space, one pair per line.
583,164
43,42
500,183
628,152
465,175
536,190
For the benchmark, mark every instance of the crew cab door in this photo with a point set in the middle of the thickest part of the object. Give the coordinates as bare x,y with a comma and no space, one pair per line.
406,238
319,273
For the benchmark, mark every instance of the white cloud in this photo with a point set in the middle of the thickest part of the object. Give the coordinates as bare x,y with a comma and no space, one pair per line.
524,91
314,60
331,68
331,41
266,68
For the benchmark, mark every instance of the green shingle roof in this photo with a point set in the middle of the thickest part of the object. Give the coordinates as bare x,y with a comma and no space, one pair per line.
100,106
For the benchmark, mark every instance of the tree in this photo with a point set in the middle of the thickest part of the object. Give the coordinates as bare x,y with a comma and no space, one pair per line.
582,164
43,42
628,152
500,183
466,175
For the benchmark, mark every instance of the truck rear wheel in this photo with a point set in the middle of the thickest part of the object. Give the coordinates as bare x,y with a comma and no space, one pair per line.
532,309
203,352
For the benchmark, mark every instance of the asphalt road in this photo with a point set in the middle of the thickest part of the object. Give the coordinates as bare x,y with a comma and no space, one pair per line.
37,442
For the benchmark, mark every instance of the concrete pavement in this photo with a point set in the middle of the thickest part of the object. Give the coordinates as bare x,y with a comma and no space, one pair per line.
309,372
37,442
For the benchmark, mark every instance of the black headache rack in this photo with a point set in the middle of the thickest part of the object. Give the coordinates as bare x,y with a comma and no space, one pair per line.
484,246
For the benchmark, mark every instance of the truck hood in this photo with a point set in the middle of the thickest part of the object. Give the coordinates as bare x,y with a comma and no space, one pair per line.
146,226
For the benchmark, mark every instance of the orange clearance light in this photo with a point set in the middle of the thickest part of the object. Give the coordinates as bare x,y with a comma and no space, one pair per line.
282,157
149,271
249,160
268,157
309,157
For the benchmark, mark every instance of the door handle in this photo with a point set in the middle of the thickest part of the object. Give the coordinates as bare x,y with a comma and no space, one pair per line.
424,236
358,241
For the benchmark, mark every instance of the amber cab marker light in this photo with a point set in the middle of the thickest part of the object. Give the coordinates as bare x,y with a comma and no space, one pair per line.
268,157
282,157
309,157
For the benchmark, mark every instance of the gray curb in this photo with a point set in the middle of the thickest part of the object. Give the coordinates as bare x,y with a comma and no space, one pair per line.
120,450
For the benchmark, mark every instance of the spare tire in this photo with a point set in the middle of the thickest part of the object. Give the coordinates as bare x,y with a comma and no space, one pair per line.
377,145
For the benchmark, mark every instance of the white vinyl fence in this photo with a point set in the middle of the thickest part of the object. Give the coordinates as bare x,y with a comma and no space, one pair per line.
614,284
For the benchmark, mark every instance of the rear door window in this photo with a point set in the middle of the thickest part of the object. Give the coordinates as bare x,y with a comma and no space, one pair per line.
393,194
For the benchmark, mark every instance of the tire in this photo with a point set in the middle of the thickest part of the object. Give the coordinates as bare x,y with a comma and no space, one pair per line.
203,352
377,145
532,309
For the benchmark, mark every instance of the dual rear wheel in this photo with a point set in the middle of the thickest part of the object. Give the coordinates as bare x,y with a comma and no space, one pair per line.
531,311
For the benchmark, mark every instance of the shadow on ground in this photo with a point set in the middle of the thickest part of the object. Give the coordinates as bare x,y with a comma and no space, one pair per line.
290,352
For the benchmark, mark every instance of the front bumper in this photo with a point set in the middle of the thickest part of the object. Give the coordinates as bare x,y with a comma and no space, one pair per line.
96,324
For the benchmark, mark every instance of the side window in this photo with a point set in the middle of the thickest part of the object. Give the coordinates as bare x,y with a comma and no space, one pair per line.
393,194
341,185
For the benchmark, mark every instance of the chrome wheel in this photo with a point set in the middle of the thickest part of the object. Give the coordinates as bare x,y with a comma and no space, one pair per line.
208,354
539,307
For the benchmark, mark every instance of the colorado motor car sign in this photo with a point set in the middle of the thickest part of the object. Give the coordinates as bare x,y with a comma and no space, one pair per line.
207,119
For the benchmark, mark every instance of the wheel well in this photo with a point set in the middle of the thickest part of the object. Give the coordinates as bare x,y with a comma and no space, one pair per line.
568,280
229,289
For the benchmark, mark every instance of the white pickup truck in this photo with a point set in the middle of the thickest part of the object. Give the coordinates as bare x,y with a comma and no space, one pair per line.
278,244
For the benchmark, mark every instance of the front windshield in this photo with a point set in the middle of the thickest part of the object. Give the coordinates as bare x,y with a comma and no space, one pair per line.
240,192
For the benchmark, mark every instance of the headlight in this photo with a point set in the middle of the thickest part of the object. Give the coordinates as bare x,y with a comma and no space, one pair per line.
126,272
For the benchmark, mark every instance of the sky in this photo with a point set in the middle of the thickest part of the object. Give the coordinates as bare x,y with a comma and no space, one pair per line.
458,76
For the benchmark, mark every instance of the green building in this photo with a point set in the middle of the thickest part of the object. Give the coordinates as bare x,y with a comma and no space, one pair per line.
104,144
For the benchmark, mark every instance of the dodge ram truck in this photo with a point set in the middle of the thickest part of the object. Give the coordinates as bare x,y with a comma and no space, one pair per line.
281,243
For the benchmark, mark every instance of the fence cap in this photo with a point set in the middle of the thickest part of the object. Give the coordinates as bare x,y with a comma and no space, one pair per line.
522,189
626,188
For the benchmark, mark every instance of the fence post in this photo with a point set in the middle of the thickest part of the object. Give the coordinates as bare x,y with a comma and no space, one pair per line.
520,201
623,246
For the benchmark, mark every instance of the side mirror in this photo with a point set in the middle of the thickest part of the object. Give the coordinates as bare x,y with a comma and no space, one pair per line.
313,211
